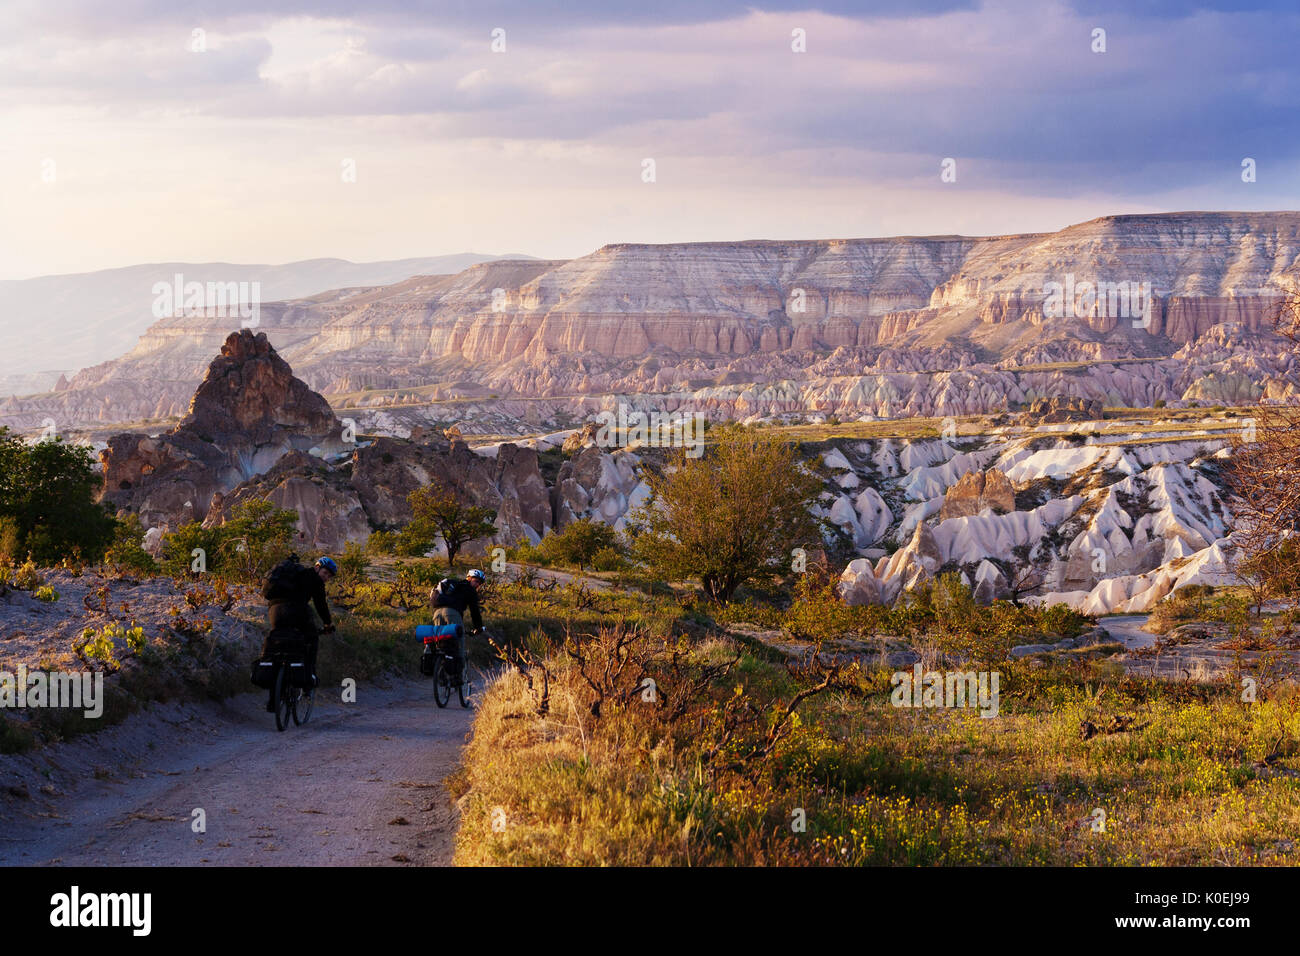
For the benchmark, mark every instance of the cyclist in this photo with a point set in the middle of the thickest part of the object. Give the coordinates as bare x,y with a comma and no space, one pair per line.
291,591
450,598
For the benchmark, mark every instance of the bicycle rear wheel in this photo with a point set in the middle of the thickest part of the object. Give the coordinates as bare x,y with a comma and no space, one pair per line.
441,682
302,706
283,703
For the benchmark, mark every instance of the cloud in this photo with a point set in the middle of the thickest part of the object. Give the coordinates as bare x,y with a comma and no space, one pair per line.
1011,89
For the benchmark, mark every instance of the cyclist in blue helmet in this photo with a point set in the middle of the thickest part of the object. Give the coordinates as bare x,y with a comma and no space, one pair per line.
292,590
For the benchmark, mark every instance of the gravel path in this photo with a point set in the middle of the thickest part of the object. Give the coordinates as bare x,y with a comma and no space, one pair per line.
361,783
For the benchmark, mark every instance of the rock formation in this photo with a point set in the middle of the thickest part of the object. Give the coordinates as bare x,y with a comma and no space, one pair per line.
1058,409
1098,514
932,326
257,432
329,510
247,414
976,491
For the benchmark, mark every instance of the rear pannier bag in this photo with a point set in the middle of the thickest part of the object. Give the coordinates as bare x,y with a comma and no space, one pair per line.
294,647
433,634
437,633
263,674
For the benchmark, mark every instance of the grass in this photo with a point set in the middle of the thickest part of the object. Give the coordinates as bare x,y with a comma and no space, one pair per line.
861,783
1181,773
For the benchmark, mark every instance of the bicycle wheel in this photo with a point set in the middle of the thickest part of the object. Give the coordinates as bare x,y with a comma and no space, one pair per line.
441,682
283,703
462,688
302,706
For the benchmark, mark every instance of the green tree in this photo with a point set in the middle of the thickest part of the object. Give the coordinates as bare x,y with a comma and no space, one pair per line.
438,512
733,515
47,501
578,543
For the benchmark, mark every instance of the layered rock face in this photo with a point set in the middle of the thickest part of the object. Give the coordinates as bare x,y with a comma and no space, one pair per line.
876,326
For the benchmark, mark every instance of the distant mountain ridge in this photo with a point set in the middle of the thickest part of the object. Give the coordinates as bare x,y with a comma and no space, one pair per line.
68,322
892,326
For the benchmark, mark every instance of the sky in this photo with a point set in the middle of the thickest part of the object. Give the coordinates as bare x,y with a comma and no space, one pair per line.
278,130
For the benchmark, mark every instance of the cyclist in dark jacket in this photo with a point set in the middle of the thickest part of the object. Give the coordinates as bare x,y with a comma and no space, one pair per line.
450,607
294,613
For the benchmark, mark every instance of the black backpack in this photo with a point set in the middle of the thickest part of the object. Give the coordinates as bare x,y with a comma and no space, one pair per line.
282,583
442,594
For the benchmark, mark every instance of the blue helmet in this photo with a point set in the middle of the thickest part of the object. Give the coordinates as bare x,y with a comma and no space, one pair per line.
475,575
328,564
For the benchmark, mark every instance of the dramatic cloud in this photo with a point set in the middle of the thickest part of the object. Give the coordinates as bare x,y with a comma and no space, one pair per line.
121,142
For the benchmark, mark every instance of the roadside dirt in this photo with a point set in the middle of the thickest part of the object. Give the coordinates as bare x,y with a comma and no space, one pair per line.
360,784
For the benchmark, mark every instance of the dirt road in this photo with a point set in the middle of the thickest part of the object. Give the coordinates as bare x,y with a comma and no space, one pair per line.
1127,629
361,783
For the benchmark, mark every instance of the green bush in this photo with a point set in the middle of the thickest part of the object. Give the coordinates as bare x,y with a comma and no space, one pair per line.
352,562
578,544
178,547
126,553
24,577
942,611
609,559
257,537
382,543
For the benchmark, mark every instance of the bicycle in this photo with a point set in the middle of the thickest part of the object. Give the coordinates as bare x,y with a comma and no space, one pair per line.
293,691
291,695
440,663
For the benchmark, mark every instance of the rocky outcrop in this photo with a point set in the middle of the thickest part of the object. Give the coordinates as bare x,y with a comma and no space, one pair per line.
1058,409
976,491
386,470
252,404
329,510
580,439
594,483
256,431
248,413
